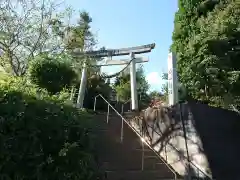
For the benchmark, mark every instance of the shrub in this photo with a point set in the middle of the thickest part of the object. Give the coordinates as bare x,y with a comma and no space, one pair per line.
51,74
41,138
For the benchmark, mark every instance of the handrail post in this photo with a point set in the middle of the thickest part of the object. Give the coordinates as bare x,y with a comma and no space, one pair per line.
122,131
122,108
198,175
108,114
142,155
165,148
95,101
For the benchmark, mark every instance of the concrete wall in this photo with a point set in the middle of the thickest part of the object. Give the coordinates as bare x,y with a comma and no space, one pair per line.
212,138
219,131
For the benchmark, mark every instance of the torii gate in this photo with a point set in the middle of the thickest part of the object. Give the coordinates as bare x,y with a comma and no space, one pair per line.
115,52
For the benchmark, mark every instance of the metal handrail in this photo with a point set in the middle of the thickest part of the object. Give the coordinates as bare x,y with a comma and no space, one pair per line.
199,170
143,141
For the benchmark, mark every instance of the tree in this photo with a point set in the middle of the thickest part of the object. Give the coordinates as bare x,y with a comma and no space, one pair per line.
142,84
81,37
27,29
165,87
156,95
124,91
206,41
52,74
123,88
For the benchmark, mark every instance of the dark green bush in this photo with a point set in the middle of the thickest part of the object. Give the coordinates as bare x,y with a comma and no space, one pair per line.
51,74
43,139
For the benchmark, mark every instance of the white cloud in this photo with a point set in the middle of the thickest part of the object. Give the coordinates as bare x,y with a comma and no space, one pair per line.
155,81
154,78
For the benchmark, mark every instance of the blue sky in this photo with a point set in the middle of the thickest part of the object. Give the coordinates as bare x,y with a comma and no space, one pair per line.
127,23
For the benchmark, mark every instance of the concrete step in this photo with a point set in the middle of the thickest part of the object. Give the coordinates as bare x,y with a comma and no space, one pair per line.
130,141
136,175
113,120
119,156
127,164
147,151
114,126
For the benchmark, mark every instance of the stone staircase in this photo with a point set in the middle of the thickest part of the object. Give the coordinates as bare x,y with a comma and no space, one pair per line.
129,159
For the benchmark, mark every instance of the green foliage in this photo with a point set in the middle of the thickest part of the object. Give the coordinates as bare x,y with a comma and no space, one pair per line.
101,85
206,41
96,85
41,137
29,30
51,74
155,94
82,38
124,91
165,87
80,34
123,88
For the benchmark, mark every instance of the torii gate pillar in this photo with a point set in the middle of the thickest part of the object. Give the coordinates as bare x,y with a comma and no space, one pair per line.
134,97
82,87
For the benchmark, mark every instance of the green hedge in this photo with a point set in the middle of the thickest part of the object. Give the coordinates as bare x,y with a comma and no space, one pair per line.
41,138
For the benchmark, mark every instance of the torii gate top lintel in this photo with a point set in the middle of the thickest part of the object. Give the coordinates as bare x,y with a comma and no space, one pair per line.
119,52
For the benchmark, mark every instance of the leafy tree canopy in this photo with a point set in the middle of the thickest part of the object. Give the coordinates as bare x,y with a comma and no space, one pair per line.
206,42
51,73
123,87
